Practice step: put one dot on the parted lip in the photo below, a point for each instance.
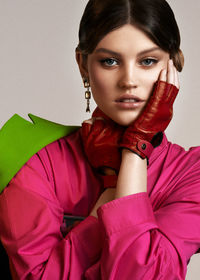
(129, 96)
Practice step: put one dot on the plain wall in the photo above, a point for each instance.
(38, 71)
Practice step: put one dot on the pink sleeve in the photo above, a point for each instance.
(30, 221)
(147, 244)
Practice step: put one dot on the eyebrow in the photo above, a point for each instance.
(104, 50)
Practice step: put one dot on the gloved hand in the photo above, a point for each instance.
(146, 132)
(101, 144)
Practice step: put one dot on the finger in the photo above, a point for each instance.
(92, 120)
(170, 72)
(86, 128)
(163, 75)
(99, 118)
(92, 127)
(85, 131)
(176, 80)
(88, 122)
(98, 126)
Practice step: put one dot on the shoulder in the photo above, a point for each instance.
(50, 170)
(175, 172)
(186, 158)
(58, 157)
(173, 155)
(182, 168)
(21, 139)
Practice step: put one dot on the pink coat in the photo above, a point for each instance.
(142, 236)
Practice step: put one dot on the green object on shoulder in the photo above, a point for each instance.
(21, 139)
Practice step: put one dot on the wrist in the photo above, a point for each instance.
(132, 176)
(137, 143)
(130, 156)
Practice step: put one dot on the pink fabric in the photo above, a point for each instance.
(144, 236)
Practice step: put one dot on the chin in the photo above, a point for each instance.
(122, 117)
(125, 118)
(123, 121)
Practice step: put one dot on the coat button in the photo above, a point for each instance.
(143, 146)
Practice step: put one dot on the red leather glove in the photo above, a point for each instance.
(101, 144)
(146, 132)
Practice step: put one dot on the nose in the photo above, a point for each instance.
(128, 78)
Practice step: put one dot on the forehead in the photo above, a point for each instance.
(125, 38)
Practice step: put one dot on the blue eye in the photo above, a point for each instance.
(109, 62)
(148, 62)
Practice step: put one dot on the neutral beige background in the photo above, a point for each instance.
(38, 73)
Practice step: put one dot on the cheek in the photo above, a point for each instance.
(96, 78)
(149, 79)
(100, 82)
(98, 86)
(152, 76)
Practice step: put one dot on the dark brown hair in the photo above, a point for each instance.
(154, 17)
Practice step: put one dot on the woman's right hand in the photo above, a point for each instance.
(146, 131)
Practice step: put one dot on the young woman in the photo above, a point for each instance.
(139, 194)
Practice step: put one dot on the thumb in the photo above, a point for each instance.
(86, 128)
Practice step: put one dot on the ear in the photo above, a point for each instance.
(82, 64)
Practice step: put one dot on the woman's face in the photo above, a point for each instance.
(122, 71)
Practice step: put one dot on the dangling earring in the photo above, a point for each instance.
(87, 94)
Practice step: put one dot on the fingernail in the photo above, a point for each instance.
(170, 62)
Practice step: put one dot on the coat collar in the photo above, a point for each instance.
(158, 150)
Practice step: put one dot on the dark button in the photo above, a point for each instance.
(143, 146)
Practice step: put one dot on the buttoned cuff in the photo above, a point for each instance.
(126, 212)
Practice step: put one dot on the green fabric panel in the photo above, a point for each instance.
(21, 139)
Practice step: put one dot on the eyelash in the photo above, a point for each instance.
(106, 61)
(152, 60)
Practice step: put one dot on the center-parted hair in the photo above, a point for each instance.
(154, 17)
